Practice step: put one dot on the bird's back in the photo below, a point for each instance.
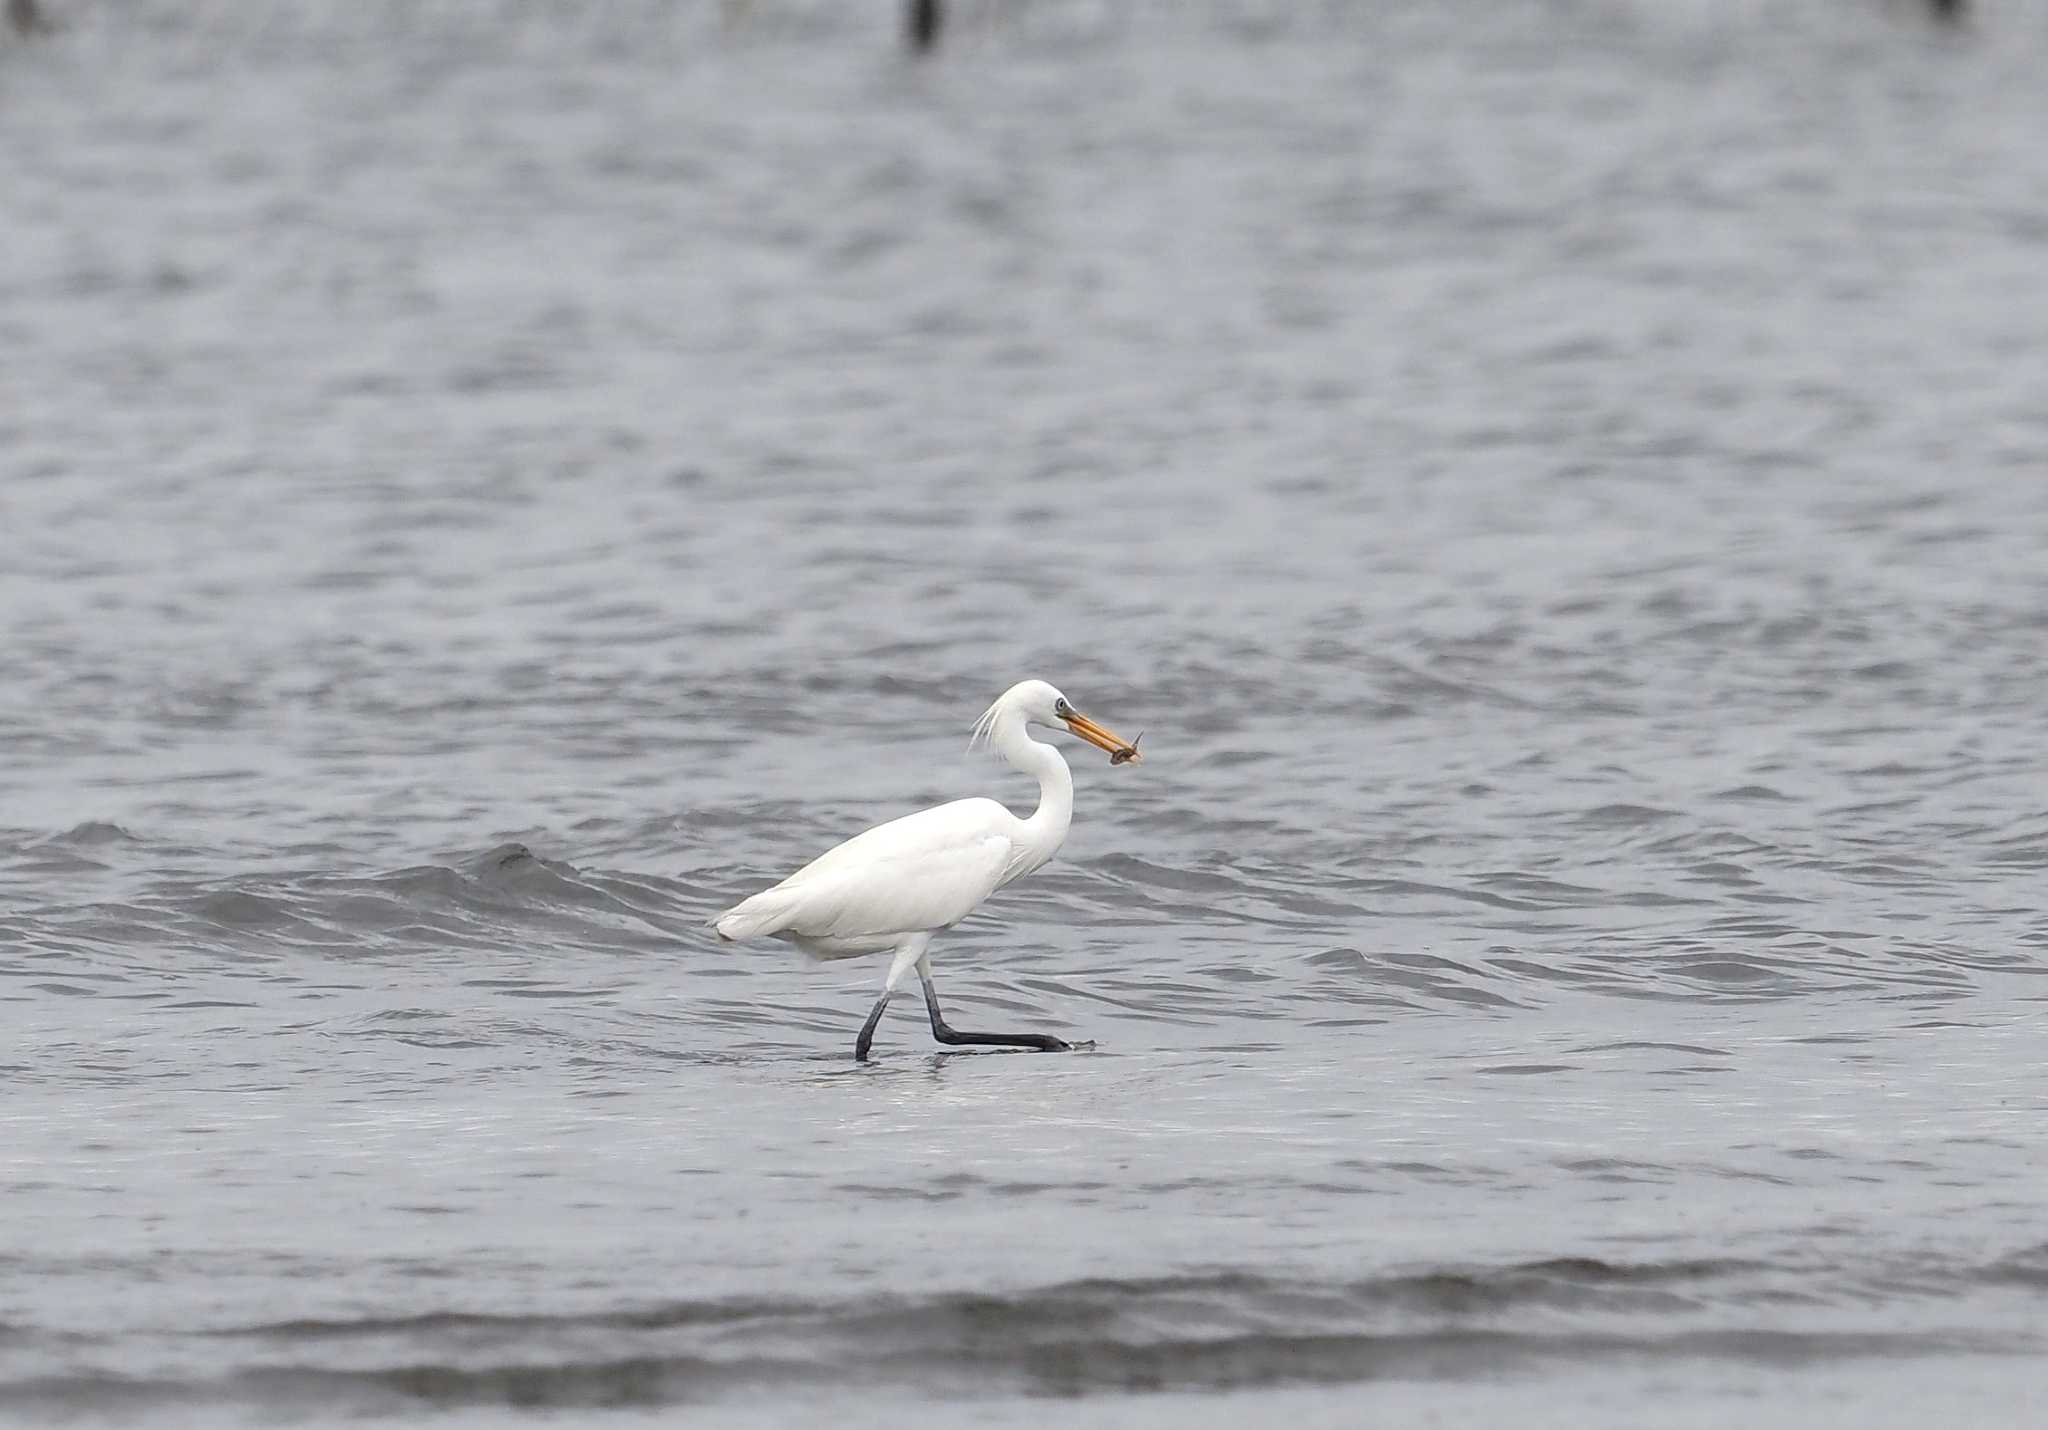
(927, 870)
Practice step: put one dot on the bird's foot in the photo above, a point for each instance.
(1038, 1042)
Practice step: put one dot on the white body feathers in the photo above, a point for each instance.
(921, 873)
(928, 870)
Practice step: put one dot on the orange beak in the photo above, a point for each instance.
(1121, 751)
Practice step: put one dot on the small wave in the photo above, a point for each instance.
(1128, 1307)
(2027, 1268)
(967, 1347)
(1386, 977)
(292, 1391)
(243, 910)
(92, 834)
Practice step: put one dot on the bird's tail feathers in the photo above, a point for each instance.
(766, 912)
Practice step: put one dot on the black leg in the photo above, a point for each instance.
(866, 1039)
(954, 1037)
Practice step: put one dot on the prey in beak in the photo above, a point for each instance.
(1121, 751)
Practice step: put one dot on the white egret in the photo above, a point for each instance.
(897, 885)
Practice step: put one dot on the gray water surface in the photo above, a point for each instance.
(1562, 487)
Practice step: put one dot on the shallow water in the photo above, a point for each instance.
(1561, 489)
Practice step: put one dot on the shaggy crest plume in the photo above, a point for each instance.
(984, 735)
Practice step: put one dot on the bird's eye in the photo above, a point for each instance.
(1060, 707)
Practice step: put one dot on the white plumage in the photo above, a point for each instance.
(895, 886)
(927, 870)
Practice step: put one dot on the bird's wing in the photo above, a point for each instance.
(924, 871)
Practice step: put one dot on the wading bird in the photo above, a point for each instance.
(895, 886)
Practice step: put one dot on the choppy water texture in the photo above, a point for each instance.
(1561, 486)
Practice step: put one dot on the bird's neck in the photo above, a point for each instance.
(1046, 829)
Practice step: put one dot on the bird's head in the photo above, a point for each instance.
(1034, 702)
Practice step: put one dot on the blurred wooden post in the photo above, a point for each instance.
(926, 18)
